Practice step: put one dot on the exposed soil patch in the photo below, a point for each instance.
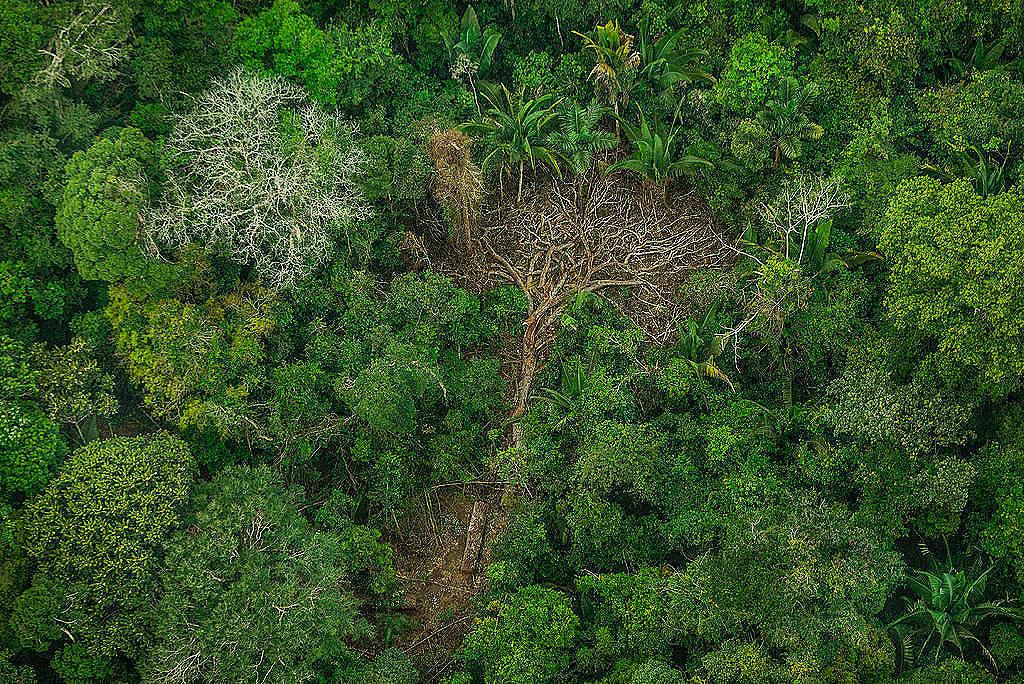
(430, 558)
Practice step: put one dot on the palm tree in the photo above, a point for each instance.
(699, 346)
(514, 130)
(577, 138)
(986, 168)
(786, 121)
(617, 64)
(654, 154)
(948, 608)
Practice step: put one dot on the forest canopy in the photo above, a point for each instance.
(511, 342)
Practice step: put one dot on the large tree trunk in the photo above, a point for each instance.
(527, 376)
(474, 537)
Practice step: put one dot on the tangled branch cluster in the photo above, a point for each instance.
(262, 174)
(91, 45)
(588, 234)
(803, 203)
(599, 232)
(793, 219)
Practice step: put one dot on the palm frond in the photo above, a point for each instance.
(708, 369)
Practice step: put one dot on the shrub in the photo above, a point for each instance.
(754, 66)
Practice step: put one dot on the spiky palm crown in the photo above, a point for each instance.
(578, 137)
(616, 59)
(785, 118)
(513, 129)
(947, 606)
(654, 152)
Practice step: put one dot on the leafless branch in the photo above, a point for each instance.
(91, 45)
(272, 194)
(804, 202)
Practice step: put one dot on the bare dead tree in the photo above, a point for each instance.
(567, 237)
(804, 202)
(273, 194)
(90, 46)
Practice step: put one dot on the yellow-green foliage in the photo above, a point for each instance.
(990, 104)
(754, 64)
(739, 660)
(338, 66)
(185, 356)
(96, 532)
(527, 637)
(72, 386)
(957, 280)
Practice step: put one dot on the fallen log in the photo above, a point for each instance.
(474, 537)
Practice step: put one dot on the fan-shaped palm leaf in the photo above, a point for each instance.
(578, 137)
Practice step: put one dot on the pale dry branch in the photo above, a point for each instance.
(803, 203)
(263, 174)
(90, 46)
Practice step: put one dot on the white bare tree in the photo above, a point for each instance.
(263, 174)
(803, 203)
(793, 218)
(91, 45)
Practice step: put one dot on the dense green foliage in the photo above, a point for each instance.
(247, 570)
(286, 286)
(100, 214)
(945, 246)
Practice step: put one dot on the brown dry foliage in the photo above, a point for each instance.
(457, 183)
